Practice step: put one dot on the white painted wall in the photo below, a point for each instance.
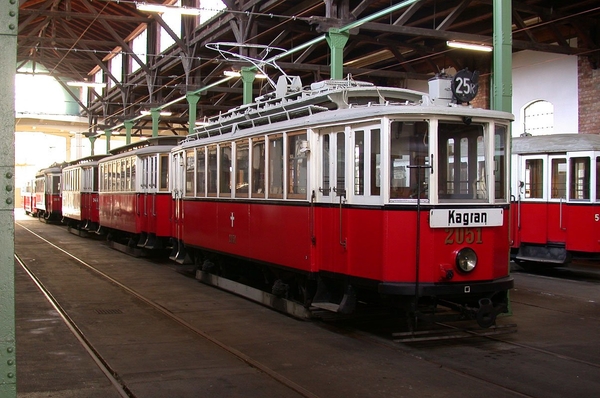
(549, 77)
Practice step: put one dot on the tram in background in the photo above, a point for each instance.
(134, 193)
(80, 206)
(28, 198)
(48, 197)
(556, 199)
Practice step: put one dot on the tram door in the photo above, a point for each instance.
(177, 191)
(331, 199)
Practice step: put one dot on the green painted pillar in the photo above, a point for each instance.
(92, 142)
(192, 100)
(501, 96)
(108, 134)
(9, 22)
(337, 41)
(128, 126)
(155, 112)
(248, 77)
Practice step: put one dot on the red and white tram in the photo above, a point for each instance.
(346, 192)
(135, 200)
(80, 207)
(556, 199)
(48, 198)
(28, 198)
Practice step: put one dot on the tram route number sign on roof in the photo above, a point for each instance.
(457, 218)
(465, 85)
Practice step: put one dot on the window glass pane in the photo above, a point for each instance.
(500, 162)
(597, 178)
(462, 163)
(409, 147)
(164, 173)
(225, 170)
(190, 162)
(276, 165)
(200, 171)
(534, 178)
(297, 165)
(341, 164)
(375, 162)
(212, 170)
(242, 154)
(258, 167)
(325, 165)
(359, 163)
(580, 179)
(558, 179)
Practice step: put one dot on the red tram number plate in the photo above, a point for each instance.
(463, 235)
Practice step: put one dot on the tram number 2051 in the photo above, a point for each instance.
(463, 235)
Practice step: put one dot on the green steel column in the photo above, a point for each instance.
(248, 76)
(501, 96)
(337, 41)
(108, 135)
(192, 100)
(128, 126)
(9, 23)
(92, 142)
(155, 112)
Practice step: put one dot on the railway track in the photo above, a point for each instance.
(114, 377)
(439, 354)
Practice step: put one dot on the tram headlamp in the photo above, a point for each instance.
(466, 259)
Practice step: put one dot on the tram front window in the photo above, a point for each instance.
(409, 160)
(461, 163)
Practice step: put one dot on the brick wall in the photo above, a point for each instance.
(589, 97)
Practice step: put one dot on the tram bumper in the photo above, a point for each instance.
(482, 301)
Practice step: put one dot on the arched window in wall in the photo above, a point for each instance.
(538, 118)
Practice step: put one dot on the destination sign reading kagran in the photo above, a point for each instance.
(448, 218)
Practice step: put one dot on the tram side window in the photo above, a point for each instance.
(375, 162)
(212, 171)
(534, 178)
(558, 187)
(258, 167)
(409, 146)
(163, 178)
(500, 162)
(133, 174)
(200, 171)
(276, 166)
(341, 165)
(189, 172)
(297, 167)
(325, 164)
(242, 154)
(580, 178)
(598, 178)
(225, 170)
(359, 162)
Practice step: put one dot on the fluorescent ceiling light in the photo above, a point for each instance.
(162, 113)
(167, 9)
(232, 73)
(86, 84)
(469, 46)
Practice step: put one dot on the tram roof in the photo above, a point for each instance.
(555, 143)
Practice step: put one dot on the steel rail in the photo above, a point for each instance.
(238, 354)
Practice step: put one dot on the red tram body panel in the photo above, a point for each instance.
(358, 191)
(556, 200)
